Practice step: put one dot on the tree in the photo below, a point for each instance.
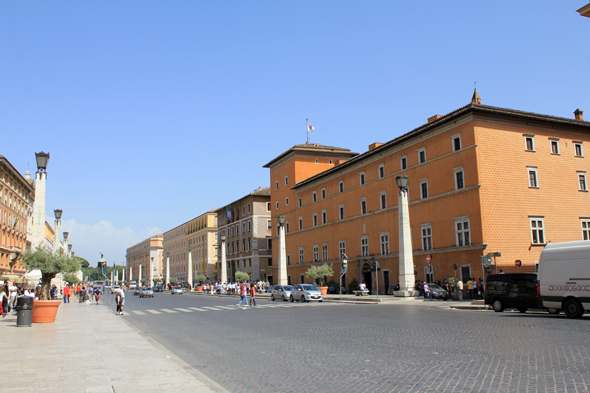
(242, 276)
(143, 280)
(320, 272)
(173, 280)
(201, 278)
(71, 278)
(50, 265)
(157, 280)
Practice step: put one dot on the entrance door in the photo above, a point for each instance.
(428, 275)
(269, 278)
(368, 280)
(386, 282)
(465, 272)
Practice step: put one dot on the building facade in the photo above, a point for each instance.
(17, 194)
(246, 225)
(176, 252)
(201, 238)
(482, 180)
(144, 256)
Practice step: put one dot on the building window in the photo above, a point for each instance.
(330, 162)
(585, 228)
(381, 171)
(384, 238)
(383, 199)
(342, 248)
(363, 206)
(364, 246)
(249, 209)
(554, 146)
(287, 229)
(314, 196)
(340, 186)
(324, 217)
(249, 226)
(462, 231)
(300, 202)
(532, 173)
(422, 155)
(267, 206)
(537, 230)
(404, 162)
(301, 255)
(456, 142)
(578, 147)
(243, 227)
(315, 219)
(276, 185)
(287, 201)
(300, 223)
(288, 259)
(459, 182)
(277, 205)
(317, 161)
(529, 143)
(341, 212)
(582, 181)
(286, 180)
(362, 178)
(269, 247)
(426, 230)
(324, 251)
(243, 210)
(323, 193)
(316, 253)
(268, 225)
(423, 189)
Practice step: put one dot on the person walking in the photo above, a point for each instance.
(97, 294)
(459, 290)
(12, 292)
(66, 293)
(470, 288)
(120, 299)
(243, 292)
(253, 296)
(426, 291)
(4, 300)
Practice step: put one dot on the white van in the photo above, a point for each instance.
(564, 277)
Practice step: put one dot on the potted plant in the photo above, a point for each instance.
(201, 278)
(50, 264)
(242, 276)
(320, 273)
(173, 281)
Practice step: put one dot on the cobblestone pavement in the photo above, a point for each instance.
(406, 347)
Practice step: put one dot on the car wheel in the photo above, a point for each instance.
(283, 298)
(320, 301)
(302, 298)
(573, 308)
(553, 310)
(497, 305)
(522, 309)
(291, 299)
(272, 298)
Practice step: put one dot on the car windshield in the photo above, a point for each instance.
(309, 288)
(147, 289)
(434, 286)
(287, 287)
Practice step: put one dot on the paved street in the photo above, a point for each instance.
(328, 347)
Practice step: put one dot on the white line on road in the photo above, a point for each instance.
(168, 311)
(228, 308)
(138, 312)
(212, 308)
(197, 309)
(153, 311)
(183, 309)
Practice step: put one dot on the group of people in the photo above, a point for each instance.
(233, 288)
(9, 291)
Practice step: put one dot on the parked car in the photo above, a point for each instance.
(282, 292)
(137, 291)
(177, 290)
(305, 293)
(563, 277)
(146, 292)
(115, 288)
(514, 290)
(438, 292)
(158, 288)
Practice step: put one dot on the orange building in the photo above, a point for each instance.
(145, 254)
(482, 180)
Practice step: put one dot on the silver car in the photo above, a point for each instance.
(177, 290)
(305, 293)
(282, 292)
(146, 292)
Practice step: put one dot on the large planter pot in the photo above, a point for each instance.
(44, 311)
(200, 288)
(323, 290)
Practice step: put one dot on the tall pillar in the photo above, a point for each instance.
(407, 280)
(139, 281)
(116, 275)
(152, 272)
(130, 273)
(190, 267)
(282, 263)
(123, 273)
(57, 240)
(223, 273)
(39, 209)
(167, 269)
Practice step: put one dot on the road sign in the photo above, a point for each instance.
(487, 261)
(428, 258)
(518, 263)
(454, 266)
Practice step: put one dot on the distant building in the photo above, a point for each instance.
(143, 256)
(585, 11)
(201, 238)
(246, 223)
(176, 248)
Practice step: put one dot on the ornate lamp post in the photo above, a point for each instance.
(282, 256)
(407, 279)
(67, 247)
(38, 235)
(223, 260)
(189, 277)
(57, 239)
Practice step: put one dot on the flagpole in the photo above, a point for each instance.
(307, 128)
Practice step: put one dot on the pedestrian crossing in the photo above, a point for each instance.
(220, 308)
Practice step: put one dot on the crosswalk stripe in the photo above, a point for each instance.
(168, 311)
(153, 311)
(183, 309)
(197, 309)
(228, 308)
(139, 312)
(212, 308)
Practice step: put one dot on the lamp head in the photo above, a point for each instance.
(281, 219)
(223, 237)
(402, 182)
(66, 234)
(42, 159)
(58, 213)
(69, 247)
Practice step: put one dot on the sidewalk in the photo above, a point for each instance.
(89, 349)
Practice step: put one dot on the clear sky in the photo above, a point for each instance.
(157, 111)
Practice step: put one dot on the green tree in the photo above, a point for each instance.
(143, 280)
(173, 280)
(201, 278)
(71, 278)
(320, 272)
(242, 276)
(50, 265)
(353, 286)
(157, 280)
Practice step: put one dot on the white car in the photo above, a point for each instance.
(177, 290)
(305, 293)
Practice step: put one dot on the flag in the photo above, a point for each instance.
(228, 214)
(15, 221)
(310, 127)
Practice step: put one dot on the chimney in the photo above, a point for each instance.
(579, 114)
(433, 118)
(374, 145)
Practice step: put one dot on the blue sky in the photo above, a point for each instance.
(157, 111)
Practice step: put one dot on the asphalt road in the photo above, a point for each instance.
(328, 347)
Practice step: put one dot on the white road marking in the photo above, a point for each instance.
(153, 311)
(197, 309)
(168, 311)
(183, 309)
(138, 312)
(212, 308)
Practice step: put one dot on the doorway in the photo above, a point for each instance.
(428, 274)
(367, 277)
(386, 282)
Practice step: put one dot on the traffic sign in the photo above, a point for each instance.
(455, 266)
(428, 258)
(487, 261)
(518, 263)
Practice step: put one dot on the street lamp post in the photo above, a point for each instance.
(189, 278)
(167, 270)
(223, 261)
(152, 273)
(38, 236)
(282, 256)
(57, 240)
(407, 279)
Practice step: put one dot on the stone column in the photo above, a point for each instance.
(167, 269)
(223, 273)
(190, 267)
(282, 257)
(407, 280)
(39, 209)
(152, 272)
(130, 273)
(57, 240)
(139, 281)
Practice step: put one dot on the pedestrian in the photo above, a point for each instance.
(4, 300)
(482, 288)
(253, 296)
(120, 299)
(12, 292)
(243, 296)
(476, 290)
(459, 290)
(426, 291)
(66, 293)
(470, 288)
(97, 294)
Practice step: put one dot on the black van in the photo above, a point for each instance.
(515, 290)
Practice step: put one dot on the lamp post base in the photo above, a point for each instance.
(411, 293)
